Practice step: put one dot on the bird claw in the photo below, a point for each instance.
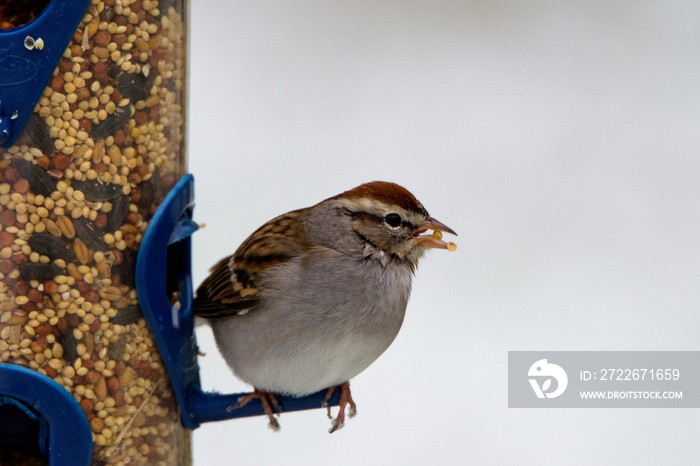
(268, 401)
(242, 401)
(335, 425)
(344, 400)
(273, 425)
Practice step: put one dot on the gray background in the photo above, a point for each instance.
(560, 139)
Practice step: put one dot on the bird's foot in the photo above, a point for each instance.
(268, 401)
(345, 400)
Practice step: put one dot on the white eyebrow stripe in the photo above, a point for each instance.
(370, 205)
(380, 209)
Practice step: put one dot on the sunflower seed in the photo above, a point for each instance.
(51, 246)
(97, 192)
(70, 345)
(89, 234)
(126, 269)
(133, 86)
(116, 350)
(111, 124)
(39, 134)
(149, 190)
(120, 207)
(127, 315)
(39, 271)
(39, 181)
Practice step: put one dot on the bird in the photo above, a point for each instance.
(314, 296)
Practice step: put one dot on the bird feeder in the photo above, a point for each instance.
(92, 126)
(98, 359)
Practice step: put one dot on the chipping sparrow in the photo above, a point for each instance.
(316, 295)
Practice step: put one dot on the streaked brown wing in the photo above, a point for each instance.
(233, 286)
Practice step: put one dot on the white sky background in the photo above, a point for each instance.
(561, 140)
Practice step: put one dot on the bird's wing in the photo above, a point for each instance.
(233, 286)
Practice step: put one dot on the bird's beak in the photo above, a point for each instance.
(435, 240)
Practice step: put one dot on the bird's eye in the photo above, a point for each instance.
(393, 220)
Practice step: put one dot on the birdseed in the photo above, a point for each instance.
(77, 190)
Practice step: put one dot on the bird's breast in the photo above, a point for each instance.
(322, 321)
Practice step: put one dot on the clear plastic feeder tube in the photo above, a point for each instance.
(104, 145)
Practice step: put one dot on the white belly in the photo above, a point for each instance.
(299, 342)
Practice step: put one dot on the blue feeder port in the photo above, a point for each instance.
(28, 56)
